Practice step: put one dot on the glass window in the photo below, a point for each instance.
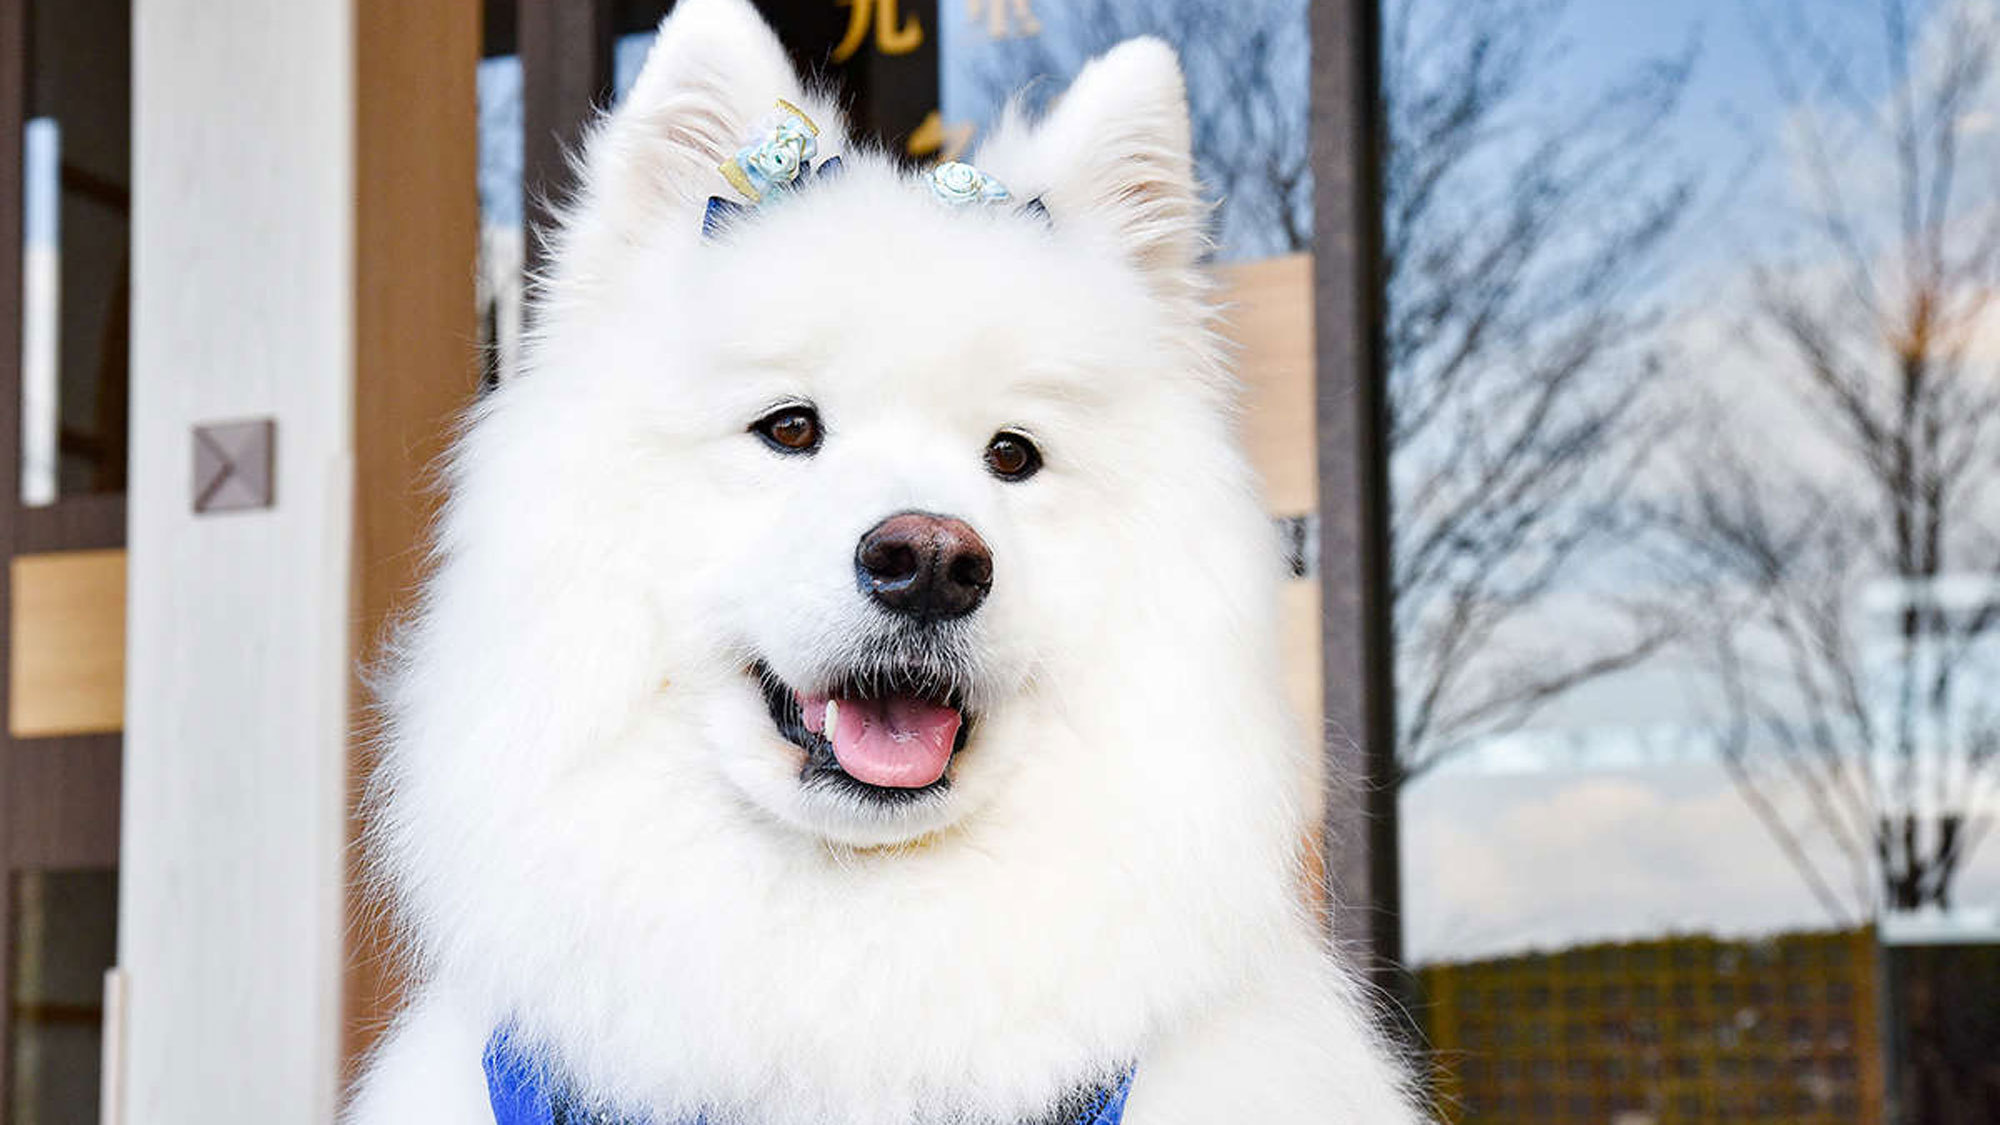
(1693, 349)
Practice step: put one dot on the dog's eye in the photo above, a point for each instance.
(790, 429)
(1012, 457)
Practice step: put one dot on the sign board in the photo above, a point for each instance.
(881, 54)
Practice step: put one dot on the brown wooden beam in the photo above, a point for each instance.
(416, 224)
(13, 114)
(88, 522)
(63, 807)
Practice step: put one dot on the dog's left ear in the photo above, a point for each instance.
(1117, 148)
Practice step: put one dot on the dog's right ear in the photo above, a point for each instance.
(714, 72)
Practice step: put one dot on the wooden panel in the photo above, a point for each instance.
(1299, 640)
(416, 237)
(1298, 601)
(62, 802)
(1270, 318)
(92, 521)
(67, 666)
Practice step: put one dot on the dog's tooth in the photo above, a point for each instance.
(832, 717)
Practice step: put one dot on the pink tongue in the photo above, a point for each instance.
(895, 743)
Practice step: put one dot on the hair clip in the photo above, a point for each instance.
(778, 159)
(778, 162)
(959, 184)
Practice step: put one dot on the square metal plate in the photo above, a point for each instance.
(233, 465)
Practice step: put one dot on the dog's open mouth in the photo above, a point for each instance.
(888, 734)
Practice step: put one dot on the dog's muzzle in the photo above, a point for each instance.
(884, 734)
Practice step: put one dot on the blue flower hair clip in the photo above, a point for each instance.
(959, 184)
(774, 162)
(780, 161)
(777, 162)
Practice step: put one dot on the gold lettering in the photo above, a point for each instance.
(932, 137)
(893, 35)
(998, 23)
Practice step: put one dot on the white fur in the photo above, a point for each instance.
(593, 830)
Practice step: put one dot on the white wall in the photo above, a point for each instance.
(236, 704)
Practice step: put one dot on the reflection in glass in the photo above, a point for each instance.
(1693, 339)
(502, 234)
(41, 305)
(76, 168)
(65, 935)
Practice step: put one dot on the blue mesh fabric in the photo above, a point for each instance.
(522, 1092)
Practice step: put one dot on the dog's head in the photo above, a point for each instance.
(854, 519)
(845, 477)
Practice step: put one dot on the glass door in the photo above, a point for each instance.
(65, 215)
(1691, 323)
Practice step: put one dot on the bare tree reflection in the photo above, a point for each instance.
(1851, 566)
(1520, 238)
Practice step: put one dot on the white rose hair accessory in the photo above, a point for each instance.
(779, 160)
(959, 184)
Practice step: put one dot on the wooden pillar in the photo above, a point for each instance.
(303, 257)
(13, 110)
(238, 625)
(416, 236)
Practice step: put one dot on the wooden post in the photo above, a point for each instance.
(1360, 834)
(566, 59)
(416, 238)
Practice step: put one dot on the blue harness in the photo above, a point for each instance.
(522, 1093)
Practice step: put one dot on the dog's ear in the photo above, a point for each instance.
(1117, 147)
(714, 72)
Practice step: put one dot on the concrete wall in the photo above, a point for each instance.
(237, 694)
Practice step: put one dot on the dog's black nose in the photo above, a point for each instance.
(932, 568)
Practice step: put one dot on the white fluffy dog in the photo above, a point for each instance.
(848, 690)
